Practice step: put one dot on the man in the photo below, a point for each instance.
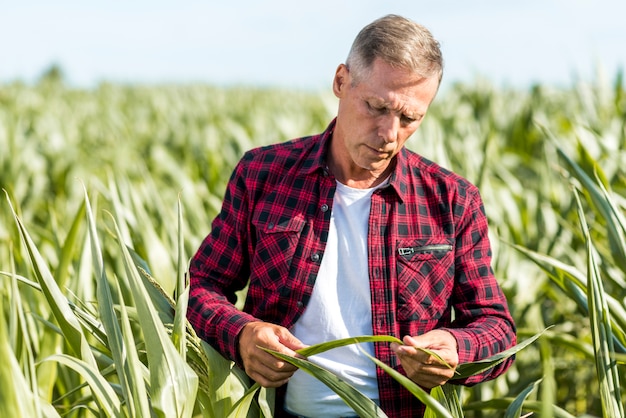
(348, 233)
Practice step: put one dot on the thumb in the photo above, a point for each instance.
(418, 341)
(435, 339)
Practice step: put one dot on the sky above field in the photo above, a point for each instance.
(293, 43)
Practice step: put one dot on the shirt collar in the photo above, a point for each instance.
(317, 157)
(399, 179)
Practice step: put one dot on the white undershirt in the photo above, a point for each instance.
(340, 307)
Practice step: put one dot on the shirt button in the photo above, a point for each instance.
(324, 207)
(315, 257)
(270, 226)
(300, 304)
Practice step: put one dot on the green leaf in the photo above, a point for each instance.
(16, 396)
(134, 370)
(103, 393)
(173, 384)
(58, 303)
(179, 333)
(430, 402)
(267, 400)
(600, 319)
(124, 355)
(448, 396)
(322, 347)
(242, 407)
(514, 410)
(226, 382)
(597, 191)
(329, 345)
(466, 370)
(22, 342)
(361, 404)
(62, 271)
(572, 282)
(503, 403)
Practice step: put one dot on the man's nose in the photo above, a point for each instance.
(389, 127)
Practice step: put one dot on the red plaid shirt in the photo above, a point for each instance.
(429, 257)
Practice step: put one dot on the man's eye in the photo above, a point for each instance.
(374, 108)
(408, 120)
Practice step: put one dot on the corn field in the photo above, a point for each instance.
(107, 193)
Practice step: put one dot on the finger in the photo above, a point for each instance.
(275, 363)
(431, 381)
(435, 339)
(409, 351)
(437, 346)
(271, 374)
(267, 370)
(423, 341)
(287, 339)
(425, 375)
(268, 379)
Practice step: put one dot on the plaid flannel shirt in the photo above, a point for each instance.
(429, 257)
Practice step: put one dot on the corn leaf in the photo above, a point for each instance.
(21, 341)
(466, 370)
(62, 271)
(179, 333)
(173, 384)
(226, 382)
(615, 228)
(329, 345)
(130, 380)
(600, 318)
(504, 403)
(448, 396)
(16, 396)
(361, 404)
(431, 403)
(572, 282)
(267, 401)
(242, 407)
(514, 410)
(138, 400)
(325, 346)
(103, 393)
(58, 303)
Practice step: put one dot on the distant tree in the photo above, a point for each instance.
(53, 75)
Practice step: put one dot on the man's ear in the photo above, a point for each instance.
(341, 80)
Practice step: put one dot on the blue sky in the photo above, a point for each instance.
(291, 43)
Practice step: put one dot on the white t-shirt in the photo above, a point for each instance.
(340, 307)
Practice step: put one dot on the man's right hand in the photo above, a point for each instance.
(260, 365)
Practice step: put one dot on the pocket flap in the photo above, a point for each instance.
(290, 224)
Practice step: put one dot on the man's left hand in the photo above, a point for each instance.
(422, 368)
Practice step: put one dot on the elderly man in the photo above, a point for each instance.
(348, 233)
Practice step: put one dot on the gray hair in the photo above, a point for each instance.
(400, 43)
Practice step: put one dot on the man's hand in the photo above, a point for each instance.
(422, 368)
(260, 365)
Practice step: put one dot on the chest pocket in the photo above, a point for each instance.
(277, 239)
(425, 269)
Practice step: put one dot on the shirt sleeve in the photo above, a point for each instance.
(219, 269)
(483, 325)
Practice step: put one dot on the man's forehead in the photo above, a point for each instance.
(406, 104)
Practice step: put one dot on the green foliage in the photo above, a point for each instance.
(92, 289)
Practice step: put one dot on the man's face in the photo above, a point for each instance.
(377, 115)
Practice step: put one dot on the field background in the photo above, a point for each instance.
(154, 161)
